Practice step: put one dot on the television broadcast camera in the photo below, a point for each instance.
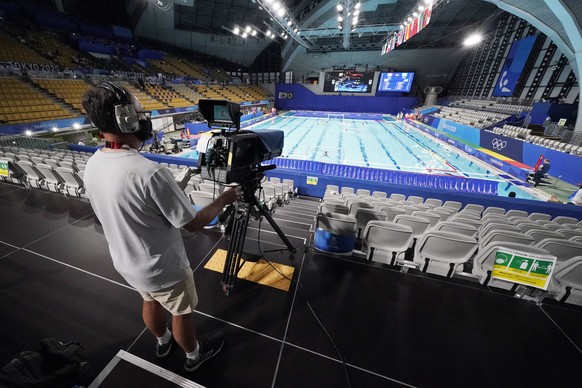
(229, 155)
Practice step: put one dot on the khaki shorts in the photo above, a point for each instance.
(179, 299)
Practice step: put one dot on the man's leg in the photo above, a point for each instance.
(154, 317)
(184, 331)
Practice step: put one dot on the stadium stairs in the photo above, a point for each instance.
(53, 97)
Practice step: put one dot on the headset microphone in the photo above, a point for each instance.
(126, 117)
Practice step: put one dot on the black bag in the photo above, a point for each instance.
(57, 364)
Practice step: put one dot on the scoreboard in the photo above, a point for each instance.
(395, 82)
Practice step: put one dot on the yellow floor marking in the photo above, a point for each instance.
(259, 272)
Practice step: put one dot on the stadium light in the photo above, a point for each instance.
(472, 40)
(340, 7)
(414, 14)
(55, 129)
(236, 31)
(357, 6)
(253, 32)
(420, 8)
(248, 29)
(245, 34)
(279, 14)
(340, 18)
(28, 132)
(76, 126)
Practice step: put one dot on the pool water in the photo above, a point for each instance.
(385, 144)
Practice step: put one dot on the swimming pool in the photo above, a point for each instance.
(385, 144)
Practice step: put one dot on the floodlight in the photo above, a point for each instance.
(472, 40)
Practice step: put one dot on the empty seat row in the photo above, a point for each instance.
(441, 251)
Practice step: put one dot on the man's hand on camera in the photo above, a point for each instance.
(231, 195)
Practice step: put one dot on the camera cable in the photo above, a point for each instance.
(321, 325)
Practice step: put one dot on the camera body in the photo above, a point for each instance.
(229, 156)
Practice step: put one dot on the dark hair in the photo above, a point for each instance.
(99, 104)
(512, 194)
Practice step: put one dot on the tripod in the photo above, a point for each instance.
(238, 224)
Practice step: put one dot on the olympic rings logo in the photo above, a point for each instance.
(498, 144)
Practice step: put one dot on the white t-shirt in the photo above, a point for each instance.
(141, 208)
(577, 198)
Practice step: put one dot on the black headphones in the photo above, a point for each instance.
(126, 118)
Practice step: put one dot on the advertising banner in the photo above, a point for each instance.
(523, 268)
(506, 146)
(4, 171)
(312, 180)
(513, 67)
(469, 134)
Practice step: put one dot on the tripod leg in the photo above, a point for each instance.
(272, 222)
(232, 264)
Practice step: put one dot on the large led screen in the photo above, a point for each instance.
(348, 81)
(395, 82)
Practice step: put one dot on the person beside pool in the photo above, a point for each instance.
(576, 197)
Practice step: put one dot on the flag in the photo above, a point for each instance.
(414, 27)
(400, 38)
(426, 15)
(389, 45)
(407, 32)
(392, 42)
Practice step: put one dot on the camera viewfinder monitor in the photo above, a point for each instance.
(395, 82)
(220, 113)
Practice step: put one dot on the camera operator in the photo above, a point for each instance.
(142, 209)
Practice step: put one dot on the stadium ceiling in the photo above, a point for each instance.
(317, 23)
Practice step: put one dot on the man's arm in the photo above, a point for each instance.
(207, 214)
